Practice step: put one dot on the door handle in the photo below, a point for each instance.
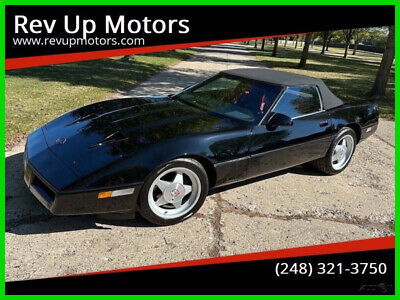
(323, 123)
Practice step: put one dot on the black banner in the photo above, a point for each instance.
(370, 272)
(45, 30)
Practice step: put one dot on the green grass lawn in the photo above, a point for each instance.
(335, 50)
(349, 79)
(359, 53)
(35, 96)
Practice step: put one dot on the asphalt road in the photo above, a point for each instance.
(291, 208)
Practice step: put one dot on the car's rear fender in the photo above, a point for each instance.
(362, 118)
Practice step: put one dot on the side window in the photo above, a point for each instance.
(299, 100)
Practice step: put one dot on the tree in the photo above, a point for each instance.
(297, 39)
(255, 44)
(286, 38)
(348, 35)
(359, 35)
(377, 37)
(304, 55)
(325, 38)
(263, 44)
(356, 40)
(328, 42)
(276, 40)
(330, 35)
(379, 88)
(324, 35)
(313, 40)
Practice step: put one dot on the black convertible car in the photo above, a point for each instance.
(160, 155)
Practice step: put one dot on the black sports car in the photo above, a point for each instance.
(160, 155)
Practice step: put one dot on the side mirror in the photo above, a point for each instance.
(278, 119)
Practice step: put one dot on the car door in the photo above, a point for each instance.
(308, 138)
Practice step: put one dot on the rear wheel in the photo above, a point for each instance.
(173, 192)
(339, 154)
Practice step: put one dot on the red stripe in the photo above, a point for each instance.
(343, 247)
(35, 61)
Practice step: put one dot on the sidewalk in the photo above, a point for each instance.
(207, 61)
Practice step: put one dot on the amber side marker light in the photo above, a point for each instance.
(109, 194)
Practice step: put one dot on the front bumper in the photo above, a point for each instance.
(75, 202)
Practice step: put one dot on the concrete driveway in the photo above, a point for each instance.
(291, 208)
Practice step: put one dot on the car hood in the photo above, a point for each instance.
(94, 136)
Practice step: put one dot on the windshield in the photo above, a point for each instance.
(234, 97)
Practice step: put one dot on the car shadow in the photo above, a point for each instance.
(24, 215)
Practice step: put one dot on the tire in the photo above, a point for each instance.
(326, 164)
(173, 192)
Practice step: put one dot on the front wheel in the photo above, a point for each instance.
(173, 192)
(339, 154)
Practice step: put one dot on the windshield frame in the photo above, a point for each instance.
(207, 80)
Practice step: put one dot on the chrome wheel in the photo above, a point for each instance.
(174, 193)
(342, 152)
